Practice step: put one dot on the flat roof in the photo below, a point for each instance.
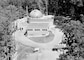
(40, 20)
(37, 25)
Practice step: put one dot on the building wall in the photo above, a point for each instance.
(35, 31)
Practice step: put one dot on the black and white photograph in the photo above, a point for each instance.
(41, 29)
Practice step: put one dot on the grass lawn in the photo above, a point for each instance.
(45, 39)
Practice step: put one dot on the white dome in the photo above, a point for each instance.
(36, 14)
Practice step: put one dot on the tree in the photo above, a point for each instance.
(74, 32)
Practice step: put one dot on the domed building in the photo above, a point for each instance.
(36, 14)
(39, 24)
(36, 24)
(38, 31)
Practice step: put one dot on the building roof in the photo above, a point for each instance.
(40, 20)
(37, 25)
(36, 14)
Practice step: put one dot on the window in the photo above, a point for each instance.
(44, 29)
(29, 29)
(37, 29)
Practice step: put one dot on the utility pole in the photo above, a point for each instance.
(46, 2)
(27, 13)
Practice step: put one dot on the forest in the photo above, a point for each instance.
(73, 28)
